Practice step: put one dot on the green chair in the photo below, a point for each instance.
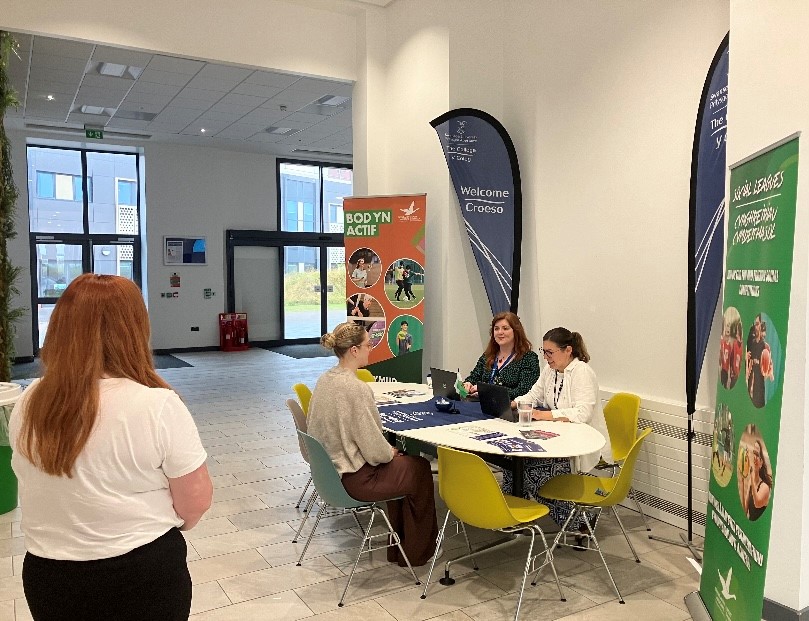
(365, 375)
(589, 492)
(304, 396)
(300, 424)
(621, 415)
(332, 494)
(473, 495)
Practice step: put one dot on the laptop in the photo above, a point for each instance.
(495, 402)
(444, 383)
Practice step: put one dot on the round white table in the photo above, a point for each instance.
(573, 439)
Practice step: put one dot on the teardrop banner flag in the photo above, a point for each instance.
(483, 166)
(706, 218)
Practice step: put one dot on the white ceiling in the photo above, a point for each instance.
(171, 99)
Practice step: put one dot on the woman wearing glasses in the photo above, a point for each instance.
(508, 359)
(567, 391)
(344, 419)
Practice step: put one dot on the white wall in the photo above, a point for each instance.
(200, 191)
(769, 100)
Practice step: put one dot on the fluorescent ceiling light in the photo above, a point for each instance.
(280, 130)
(331, 100)
(92, 109)
(112, 69)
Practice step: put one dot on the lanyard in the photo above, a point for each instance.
(495, 369)
(557, 390)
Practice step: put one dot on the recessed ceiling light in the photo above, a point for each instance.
(92, 109)
(50, 98)
(332, 100)
(112, 69)
(202, 130)
(279, 130)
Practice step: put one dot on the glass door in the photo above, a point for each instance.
(56, 265)
(296, 289)
(302, 293)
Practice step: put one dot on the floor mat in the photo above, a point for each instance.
(27, 370)
(302, 351)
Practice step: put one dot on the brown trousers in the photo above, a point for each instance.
(413, 517)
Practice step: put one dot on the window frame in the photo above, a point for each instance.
(319, 213)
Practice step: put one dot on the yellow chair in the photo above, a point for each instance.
(365, 375)
(588, 492)
(304, 396)
(473, 495)
(621, 415)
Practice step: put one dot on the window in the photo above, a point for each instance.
(311, 196)
(127, 193)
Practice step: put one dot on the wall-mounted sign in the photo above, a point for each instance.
(184, 251)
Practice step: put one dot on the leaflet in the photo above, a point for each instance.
(407, 392)
(538, 434)
(476, 432)
(516, 445)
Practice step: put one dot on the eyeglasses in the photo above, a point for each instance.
(548, 352)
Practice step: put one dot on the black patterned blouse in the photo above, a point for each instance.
(518, 375)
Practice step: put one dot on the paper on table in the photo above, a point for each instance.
(405, 393)
(516, 445)
(475, 432)
(538, 434)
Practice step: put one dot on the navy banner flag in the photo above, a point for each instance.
(706, 230)
(483, 166)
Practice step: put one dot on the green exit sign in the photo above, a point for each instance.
(97, 134)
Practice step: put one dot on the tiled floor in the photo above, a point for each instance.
(242, 560)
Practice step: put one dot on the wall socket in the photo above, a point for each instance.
(194, 328)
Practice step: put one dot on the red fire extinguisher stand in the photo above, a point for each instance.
(233, 332)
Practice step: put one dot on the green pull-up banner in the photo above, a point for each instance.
(758, 273)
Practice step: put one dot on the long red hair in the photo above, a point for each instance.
(99, 328)
(521, 343)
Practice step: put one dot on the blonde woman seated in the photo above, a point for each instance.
(344, 418)
(567, 392)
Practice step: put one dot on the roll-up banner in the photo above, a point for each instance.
(386, 271)
(484, 170)
(761, 228)
(706, 217)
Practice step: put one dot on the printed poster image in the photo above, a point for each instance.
(722, 445)
(757, 285)
(404, 283)
(730, 348)
(364, 268)
(405, 334)
(763, 358)
(755, 473)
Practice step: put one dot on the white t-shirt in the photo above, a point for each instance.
(118, 498)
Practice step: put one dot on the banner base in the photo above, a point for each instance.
(696, 607)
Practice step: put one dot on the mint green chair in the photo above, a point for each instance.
(331, 493)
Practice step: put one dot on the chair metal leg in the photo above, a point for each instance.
(640, 509)
(305, 517)
(303, 493)
(603, 560)
(525, 572)
(623, 530)
(359, 554)
(320, 513)
(398, 544)
(469, 547)
(437, 545)
(548, 561)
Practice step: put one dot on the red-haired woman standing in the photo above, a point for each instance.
(110, 466)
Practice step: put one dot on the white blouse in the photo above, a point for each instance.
(573, 394)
